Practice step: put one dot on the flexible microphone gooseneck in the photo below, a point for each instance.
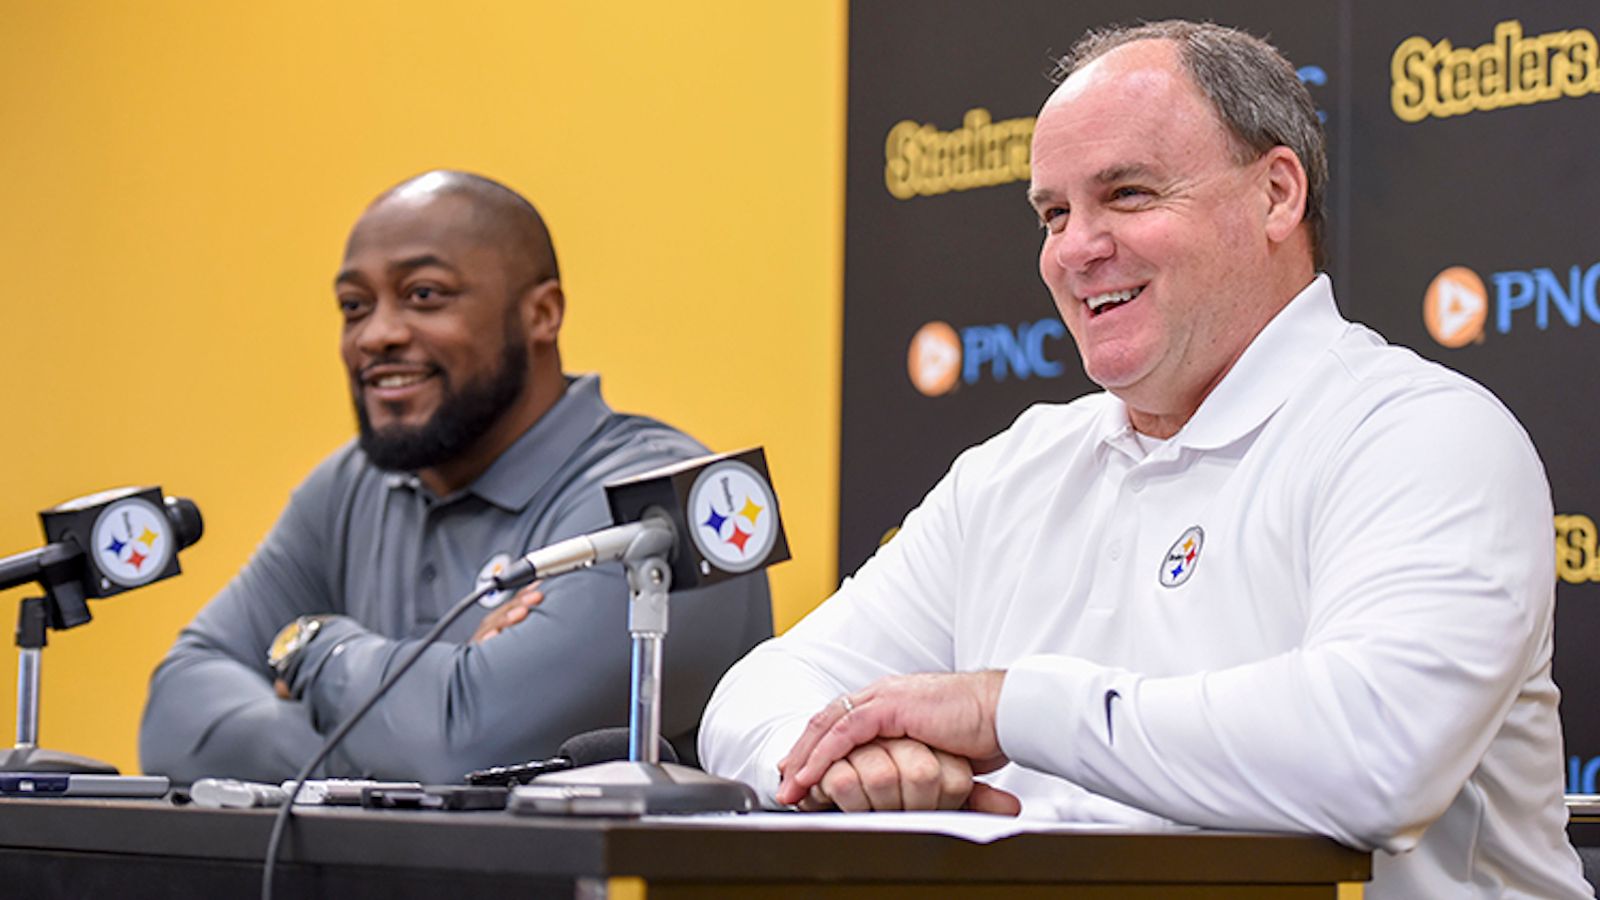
(684, 525)
(281, 822)
(585, 550)
(605, 545)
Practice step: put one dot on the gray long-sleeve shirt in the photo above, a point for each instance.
(390, 558)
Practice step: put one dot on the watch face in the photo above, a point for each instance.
(133, 542)
(735, 518)
(284, 643)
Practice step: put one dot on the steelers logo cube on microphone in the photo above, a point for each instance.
(723, 511)
(126, 535)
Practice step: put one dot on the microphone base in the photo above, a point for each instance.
(38, 759)
(632, 789)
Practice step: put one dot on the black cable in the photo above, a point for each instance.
(281, 822)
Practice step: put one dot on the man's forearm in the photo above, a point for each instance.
(214, 717)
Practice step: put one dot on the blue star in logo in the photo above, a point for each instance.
(714, 522)
(115, 549)
(1177, 570)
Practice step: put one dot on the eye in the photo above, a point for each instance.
(353, 307)
(427, 296)
(1126, 195)
(1053, 219)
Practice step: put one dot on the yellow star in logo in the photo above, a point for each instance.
(148, 538)
(751, 510)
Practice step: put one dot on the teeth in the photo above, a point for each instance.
(395, 381)
(1099, 300)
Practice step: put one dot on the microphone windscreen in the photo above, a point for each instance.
(185, 517)
(606, 745)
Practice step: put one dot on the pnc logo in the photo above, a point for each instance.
(1456, 307)
(934, 360)
(1581, 774)
(941, 358)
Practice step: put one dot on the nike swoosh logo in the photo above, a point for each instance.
(1111, 696)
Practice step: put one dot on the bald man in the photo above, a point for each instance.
(474, 448)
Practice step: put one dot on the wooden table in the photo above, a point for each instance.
(152, 849)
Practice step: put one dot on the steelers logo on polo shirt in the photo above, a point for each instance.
(497, 564)
(1182, 557)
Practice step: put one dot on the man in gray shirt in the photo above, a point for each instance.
(474, 448)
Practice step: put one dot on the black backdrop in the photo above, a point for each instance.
(1483, 209)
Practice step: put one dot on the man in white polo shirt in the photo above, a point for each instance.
(1279, 576)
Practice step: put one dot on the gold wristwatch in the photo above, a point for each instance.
(290, 641)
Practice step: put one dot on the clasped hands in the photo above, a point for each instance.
(910, 742)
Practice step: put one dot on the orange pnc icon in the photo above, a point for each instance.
(1456, 307)
(934, 360)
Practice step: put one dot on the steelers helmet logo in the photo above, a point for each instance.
(497, 564)
(133, 542)
(1182, 557)
(1456, 307)
(934, 360)
(733, 516)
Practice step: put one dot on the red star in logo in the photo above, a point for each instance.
(137, 559)
(739, 538)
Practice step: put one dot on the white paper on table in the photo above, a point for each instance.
(979, 828)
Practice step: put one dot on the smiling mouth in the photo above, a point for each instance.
(397, 380)
(1099, 303)
(389, 385)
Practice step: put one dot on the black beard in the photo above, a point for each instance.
(462, 418)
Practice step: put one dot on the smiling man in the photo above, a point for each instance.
(474, 448)
(1279, 576)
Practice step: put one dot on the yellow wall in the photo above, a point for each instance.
(176, 180)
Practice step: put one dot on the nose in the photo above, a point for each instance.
(1084, 241)
(382, 329)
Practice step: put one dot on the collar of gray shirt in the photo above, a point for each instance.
(513, 480)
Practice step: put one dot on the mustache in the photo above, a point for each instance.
(366, 370)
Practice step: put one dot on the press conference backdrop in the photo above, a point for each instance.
(179, 177)
(1463, 204)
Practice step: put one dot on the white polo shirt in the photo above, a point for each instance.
(1323, 606)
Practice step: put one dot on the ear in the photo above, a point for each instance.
(1285, 182)
(543, 307)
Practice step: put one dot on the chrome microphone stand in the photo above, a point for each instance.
(647, 784)
(33, 622)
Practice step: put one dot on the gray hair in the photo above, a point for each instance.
(1255, 91)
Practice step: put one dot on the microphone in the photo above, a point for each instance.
(715, 516)
(585, 550)
(103, 544)
(604, 745)
(586, 749)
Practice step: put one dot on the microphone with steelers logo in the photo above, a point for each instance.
(103, 544)
(693, 523)
(98, 546)
(714, 517)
